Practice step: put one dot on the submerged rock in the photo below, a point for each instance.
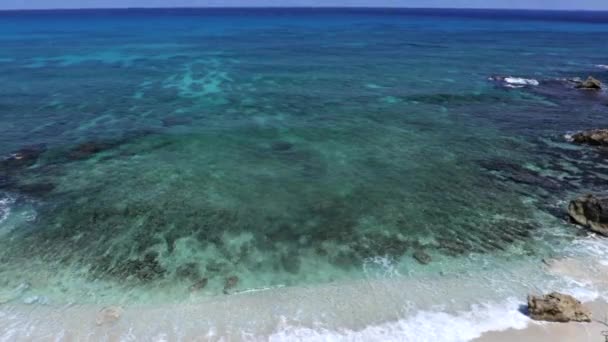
(199, 285)
(146, 269)
(281, 146)
(557, 307)
(24, 157)
(230, 283)
(519, 174)
(422, 257)
(88, 149)
(592, 137)
(589, 83)
(171, 121)
(34, 189)
(109, 315)
(591, 212)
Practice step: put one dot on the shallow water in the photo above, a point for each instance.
(174, 156)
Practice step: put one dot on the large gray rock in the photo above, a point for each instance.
(557, 307)
(590, 83)
(592, 137)
(592, 212)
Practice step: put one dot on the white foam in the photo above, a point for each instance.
(517, 82)
(602, 66)
(424, 326)
(5, 207)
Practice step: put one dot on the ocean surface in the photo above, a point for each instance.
(300, 174)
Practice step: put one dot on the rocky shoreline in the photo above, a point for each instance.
(589, 211)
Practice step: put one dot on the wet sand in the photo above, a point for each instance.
(557, 332)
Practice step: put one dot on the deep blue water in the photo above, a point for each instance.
(176, 148)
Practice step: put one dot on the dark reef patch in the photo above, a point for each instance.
(22, 158)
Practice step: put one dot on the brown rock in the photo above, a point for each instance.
(557, 307)
(591, 212)
(109, 315)
(592, 137)
(590, 83)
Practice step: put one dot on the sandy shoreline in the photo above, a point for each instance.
(593, 272)
(83, 324)
(400, 309)
(557, 332)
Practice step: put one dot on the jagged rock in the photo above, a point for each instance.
(592, 212)
(108, 315)
(590, 83)
(422, 257)
(592, 137)
(557, 307)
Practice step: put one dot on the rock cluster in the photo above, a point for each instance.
(557, 307)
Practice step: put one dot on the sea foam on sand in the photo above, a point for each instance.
(424, 326)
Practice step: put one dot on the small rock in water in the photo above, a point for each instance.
(199, 285)
(590, 83)
(557, 307)
(591, 212)
(422, 257)
(281, 146)
(88, 149)
(109, 315)
(592, 137)
(23, 158)
(230, 283)
(171, 121)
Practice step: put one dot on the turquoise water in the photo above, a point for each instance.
(153, 154)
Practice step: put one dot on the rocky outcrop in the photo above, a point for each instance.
(557, 307)
(592, 137)
(592, 212)
(590, 83)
